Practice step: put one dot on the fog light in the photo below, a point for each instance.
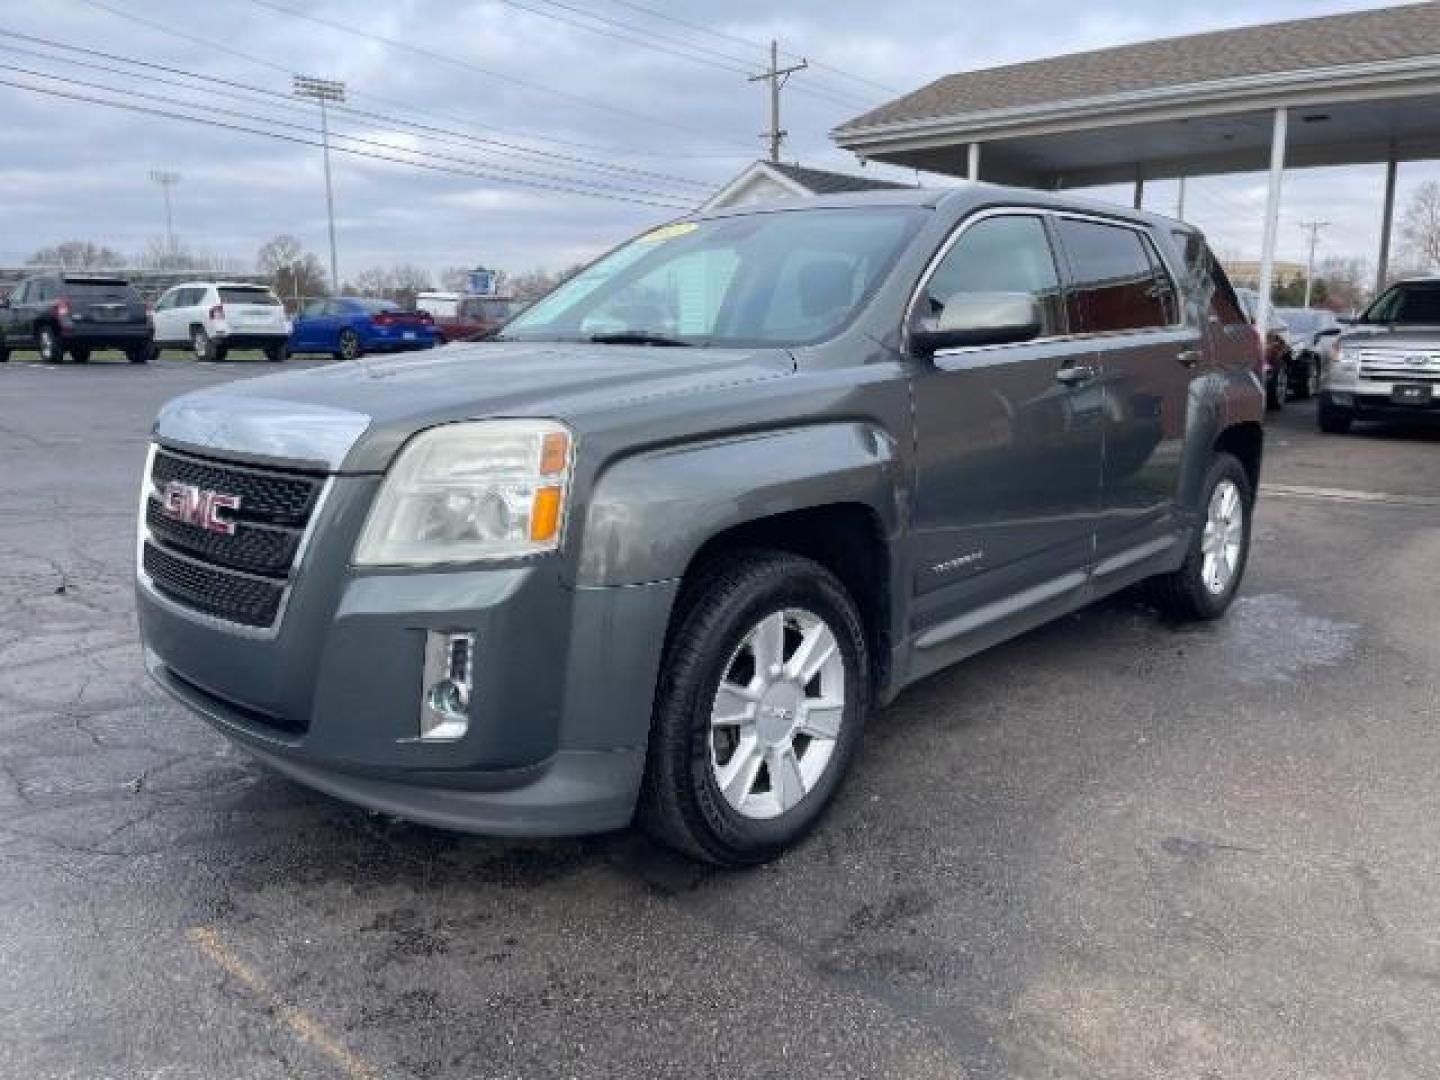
(448, 679)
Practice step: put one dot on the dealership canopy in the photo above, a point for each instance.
(1338, 90)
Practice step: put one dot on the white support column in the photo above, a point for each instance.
(1180, 201)
(1272, 219)
(1387, 219)
(1139, 187)
(972, 164)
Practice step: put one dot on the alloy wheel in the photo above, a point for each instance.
(777, 713)
(1222, 538)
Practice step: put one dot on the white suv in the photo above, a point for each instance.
(211, 317)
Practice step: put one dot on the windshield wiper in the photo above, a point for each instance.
(637, 337)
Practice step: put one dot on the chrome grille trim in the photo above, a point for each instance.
(144, 536)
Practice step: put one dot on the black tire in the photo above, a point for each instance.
(202, 346)
(1278, 391)
(1306, 379)
(1332, 420)
(47, 344)
(80, 354)
(681, 804)
(1184, 593)
(141, 354)
(4, 350)
(277, 354)
(348, 346)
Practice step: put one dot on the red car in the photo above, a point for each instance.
(1279, 358)
(459, 317)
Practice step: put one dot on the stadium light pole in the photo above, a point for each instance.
(167, 179)
(324, 91)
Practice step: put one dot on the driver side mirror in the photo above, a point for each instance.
(999, 318)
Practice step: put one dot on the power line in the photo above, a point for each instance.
(510, 170)
(649, 39)
(485, 174)
(504, 147)
(455, 61)
(750, 43)
(220, 47)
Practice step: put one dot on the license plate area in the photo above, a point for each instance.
(1412, 394)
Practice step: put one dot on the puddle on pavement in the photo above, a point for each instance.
(1272, 639)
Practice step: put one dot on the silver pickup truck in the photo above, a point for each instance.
(656, 551)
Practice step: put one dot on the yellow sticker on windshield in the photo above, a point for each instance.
(669, 232)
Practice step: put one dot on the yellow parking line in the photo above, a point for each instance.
(302, 1024)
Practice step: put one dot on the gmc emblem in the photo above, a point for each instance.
(198, 507)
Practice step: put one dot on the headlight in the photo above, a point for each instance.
(485, 489)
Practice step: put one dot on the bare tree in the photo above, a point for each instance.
(1347, 282)
(1420, 225)
(293, 272)
(78, 255)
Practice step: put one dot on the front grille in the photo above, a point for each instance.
(1399, 365)
(242, 576)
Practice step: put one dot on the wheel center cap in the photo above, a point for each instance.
(778, 712)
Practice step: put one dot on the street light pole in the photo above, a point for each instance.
(167, 179)
(324, 91)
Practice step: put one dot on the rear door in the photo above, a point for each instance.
(1125, 297)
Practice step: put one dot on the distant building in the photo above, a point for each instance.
(766, 181)
(1246, 272)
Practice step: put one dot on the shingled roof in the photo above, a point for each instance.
(824, 182)
(1388, 34)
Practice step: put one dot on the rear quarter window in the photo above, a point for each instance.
(261, 297)
(1206, 280)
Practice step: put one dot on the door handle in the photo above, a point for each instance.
(1188, 357)
(1075, 374)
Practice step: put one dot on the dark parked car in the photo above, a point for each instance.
(1388, 361)
(465, 318)
(348, 327)
(1312, 346)
(1279, 358)
(600, 569)
(68, 316)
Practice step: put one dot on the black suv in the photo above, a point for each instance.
(69, 315)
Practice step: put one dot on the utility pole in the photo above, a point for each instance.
(1314, 228)
(777, 77)
(323, 91)
(167, 179)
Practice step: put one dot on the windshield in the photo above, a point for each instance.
(1415, 303)
(780, 278)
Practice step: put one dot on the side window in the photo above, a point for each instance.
(313, 309)
(166, 302)
(19, 293)
(1000, 254)
(1207, 281)
(1114, 286)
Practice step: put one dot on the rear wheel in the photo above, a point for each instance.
(80, 354)
(4, 350)
(1332, 420)
(203, 345)
(348, 346)
(276, 354)
(1278, 392)
(47, 343)
(1207, 581)
(762, 697)
(141, 354)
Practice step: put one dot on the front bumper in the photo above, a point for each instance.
(558, 718)
(1369, 398)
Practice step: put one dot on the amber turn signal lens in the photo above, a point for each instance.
(545, 516)
(554, 453)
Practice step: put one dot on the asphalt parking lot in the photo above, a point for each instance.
(1112, 848)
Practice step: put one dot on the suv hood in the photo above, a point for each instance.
(1394, 337)
(353, 416)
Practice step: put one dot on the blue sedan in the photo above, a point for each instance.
(349, 327)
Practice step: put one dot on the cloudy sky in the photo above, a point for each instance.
(578, 99)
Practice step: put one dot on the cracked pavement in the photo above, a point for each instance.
(1110, 848)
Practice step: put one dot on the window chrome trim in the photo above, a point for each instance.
(142, 534)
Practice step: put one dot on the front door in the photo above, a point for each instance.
(1122, 292)
(1007, 448)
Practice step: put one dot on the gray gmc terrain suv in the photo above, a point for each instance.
(656, 552)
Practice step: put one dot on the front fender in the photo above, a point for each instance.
(650, 513)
